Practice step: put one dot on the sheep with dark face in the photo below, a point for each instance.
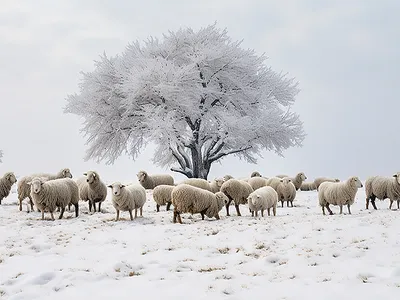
(92, 189)
(6, 182)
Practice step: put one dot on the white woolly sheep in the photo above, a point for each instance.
(6, 182)
(286, 191)
(236, 191)
(193, 200)
(263, 199)
(128, 198)
(319, 180)
(24, 189)
(48, 195)
(162, 196)
(255, 174)
(257, 182)
(383, 187)
(308, 186)
(149, 182)
(198, 182)
(338, 193)
(92, 189)
(227, 177)
(216, 184)
(298, 180)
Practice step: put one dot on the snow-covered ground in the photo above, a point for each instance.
(298, 254)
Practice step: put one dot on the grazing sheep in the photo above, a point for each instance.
(286, 191)
(6, 182)
(308, 186)
(128, 198)
(257, 182)
(92, 189)
(162, 196)
(338, 193)
(24, 189)
(149, 182)
(298, 180)
(50, 194)
(238, 191)
(193, 200)
(383, 187)
(263, 199)
(255, 174)
(319, 180)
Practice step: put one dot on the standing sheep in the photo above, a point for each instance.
(92, 189)
(236, 191)
(198, 182)
(338, 193)
(382, 188)
(6, 182)
(149, 182)
(319, 180)
(162, 196)
(263, 199)
(193, 200)
(128, 198)
(257, 182)
(298, 180)
(286, 191)
(48, 195)
(216, 184)
(308, 186)
(24, 189)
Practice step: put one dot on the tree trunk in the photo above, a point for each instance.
(200, 169)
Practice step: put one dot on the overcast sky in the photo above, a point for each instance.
(345, 55)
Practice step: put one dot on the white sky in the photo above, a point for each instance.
(345, 54)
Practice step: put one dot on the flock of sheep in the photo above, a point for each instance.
(51, 192)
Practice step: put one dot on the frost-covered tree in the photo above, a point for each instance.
(198, 95)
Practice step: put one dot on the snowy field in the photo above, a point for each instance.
(298, 254)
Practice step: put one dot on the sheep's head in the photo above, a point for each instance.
(301, 176)
(255, 174)
(10, 177)
(116, 188)
(227, 177)
(142, 175)
(222, 199)
(36, 184)
(286, 180)
(397, 176)
(355, 181)
(91, 176)
(337, 180)
(219, 181)
(66, 173)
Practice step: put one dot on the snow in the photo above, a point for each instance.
(298, 254)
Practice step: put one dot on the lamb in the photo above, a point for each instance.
(382, 188)
(24, 189)
(6, 182)
(92, 189)
(263, 199)
(255, 174)
(150, 182)
(308, 186)
(320, 180)
(190, 199)
(286, 191)
(298, 180)
(50, 194)
(338, 193)
(257, 182)
(128, 198)
(162, 196)
(236, 191)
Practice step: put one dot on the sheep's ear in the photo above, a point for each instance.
(84, 174)
(122, 186)
(395, 175)
(29, 183)
(94, 175)
(110, 186)
(281, 180)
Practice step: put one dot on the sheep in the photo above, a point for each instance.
(6, 182)
(92, 189)
(286, 191)
(162, 196)
(190, 199)
(255, 174)
(128, 198)
(382, 188)
(216, 184)
(198, 182)
(50, 194)
(24, 189)
(263, 199)
(236, 191)
(257, 182)
(338, 193)
(227, 177)
(149, 182)
(319, 180)
(298, 180)
(308, 186)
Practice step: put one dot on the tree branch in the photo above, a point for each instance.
(222, 154)
(186, 173)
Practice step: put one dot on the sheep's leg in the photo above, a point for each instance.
(274, 210)
(269, 211)
(287, 203)
(348, 208)
(256, 213)
(31, 203)
(291, 203)
(328, 208)
(52, 216)
(282, 202)
(202, 215)
(130, 214)
(391, 202)
(398, 204)
(90, 206)
(20, 204)
(158, 208)
(168, 206)
(366, 203)
(341, 209)
(179, 218)
(323, 210)
(117, 218)
(62, 212)
(373, 197)
(69, 206)
(76, 209)
(141, 211)
(43, 214)
(217, 216)
(227, 206)
(174, 218)
(262, 213)
(252, 213)
(238, 211)
(99, 210)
